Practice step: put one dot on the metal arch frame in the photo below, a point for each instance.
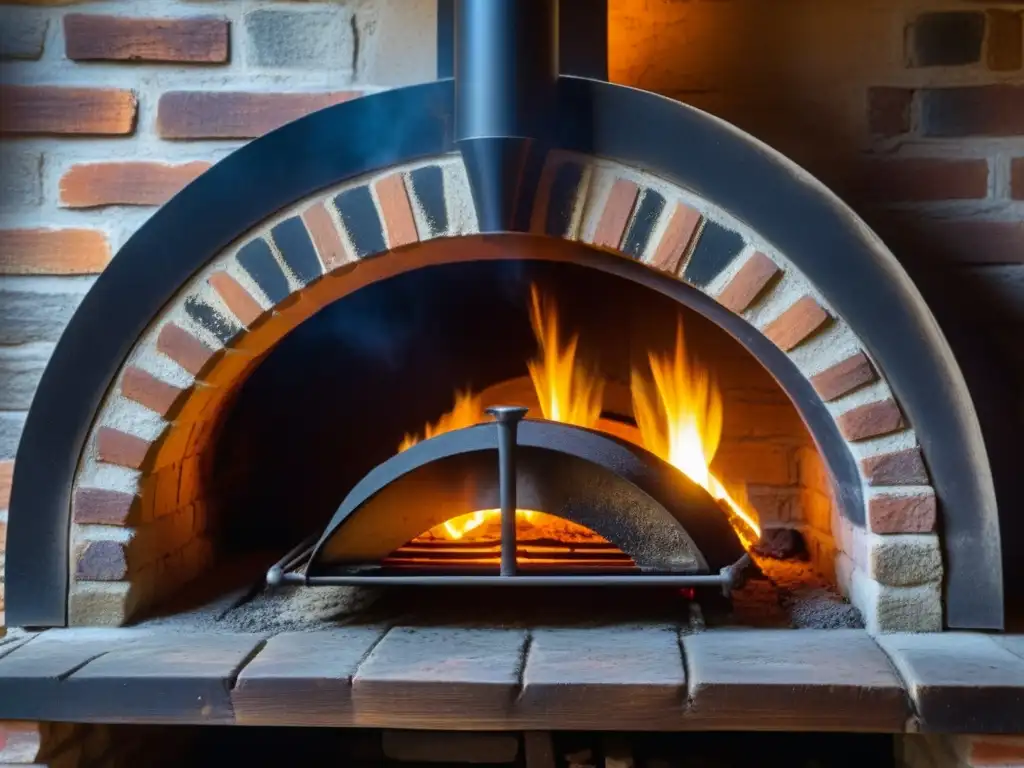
(816, 231)
(670, 492)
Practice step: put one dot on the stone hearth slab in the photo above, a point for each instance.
(303, 678)
(123, 676)
(792, 679)
(961, 682)
(437, 676)
(499, 679)
(576, 677)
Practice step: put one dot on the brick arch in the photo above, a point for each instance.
(140, 521)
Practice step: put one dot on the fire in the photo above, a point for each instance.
(466, 412)
(567, 392)
(680, 420)
(679, 416)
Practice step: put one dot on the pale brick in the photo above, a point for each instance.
(904, 560)
(35, 309)
(896, 609)
(21, 184)
(22, 33)
(11, 425)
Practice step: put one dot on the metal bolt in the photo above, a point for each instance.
(508, 418)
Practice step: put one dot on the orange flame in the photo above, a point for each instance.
(680, 420)
(466, 412)
(567, 392)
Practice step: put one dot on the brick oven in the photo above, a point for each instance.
(509, 404)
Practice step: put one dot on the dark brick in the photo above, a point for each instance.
(51, 109)
(209, 318)
(1017, 178)
(256, 258)
(361, 220)
(986, 110)
(1005, 47)
(924, 179)
(945, 39)
(99, 506)
(95, 37)
(889, 110)
(102, 561)
(562, 199)
(644, 220)
(234, 114)
(296, 248)
(428, 189)
(716, 247)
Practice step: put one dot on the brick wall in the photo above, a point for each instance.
(108, 108)
(913, 110)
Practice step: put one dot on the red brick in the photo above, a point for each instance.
(116, 447)
(184, 348)
(1005, 751)
(49, 109)
(844, 377)
(796, 324)
(149, 391)
(53, 251)
(236, 298)
(925, 179)
(6, 478)
(889, 110)
(983, 110)
(615, 217)
(1017, 182)
(904, 467)
(678, 237)
(1003, 51)
(871, 420)
(99, 506)
(136, 183)
(746, 285)
(94, 37)
(399, 224)
(326, 238)
(236, 114)
(102, 561)
(902, 514)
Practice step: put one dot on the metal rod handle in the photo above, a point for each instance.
(508, 418)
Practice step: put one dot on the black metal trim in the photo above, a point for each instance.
(819, 234)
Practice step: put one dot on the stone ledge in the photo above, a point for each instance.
(494, 679)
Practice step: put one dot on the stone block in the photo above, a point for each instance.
(20, 370)
(22, 33)
(300, 38)
(37, 309)
(21, 183)
(945, 39)
(904, 560)
(11, 425)
(896, 609)
(103, 604)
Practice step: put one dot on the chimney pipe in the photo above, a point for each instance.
(506, 71)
